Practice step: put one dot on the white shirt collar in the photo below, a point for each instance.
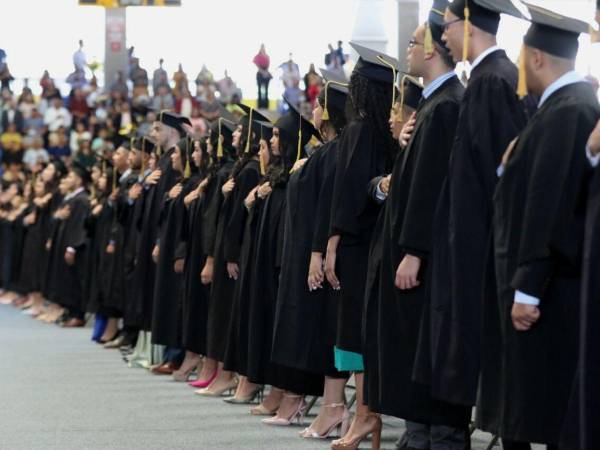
(124, 175)
(436, 84)
(482, 56)
(571, 77)
(73, 194)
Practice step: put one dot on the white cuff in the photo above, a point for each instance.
(594, 160)
(71, 250)
(524, 299)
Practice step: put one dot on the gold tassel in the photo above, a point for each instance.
(325, 111)
(299, 142)
(522, 84)
(158, 150)
(466, 42)
(142, 156)
(428, 42)
(402, 95)
(114, 179)
(220, 141)
(262, 164)
(104, 167)
(188, 169)
(249, 131)
(391, 66)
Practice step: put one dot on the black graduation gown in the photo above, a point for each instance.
(195, 295)
(168, 288)
(266, 268)
(18, 236)
(392, 317)
(147, 223)
(97, 232)
(228, 244)
(30, 278)
(448, 357)
(112, 265)
(581, 432)
(305, 321)
(68, 280)
(539, 214)
(48, 230)
(353, 215)
(236, 350)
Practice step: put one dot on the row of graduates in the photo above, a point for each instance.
(444, 272)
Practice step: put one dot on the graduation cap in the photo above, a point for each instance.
(184, 147)
(295, 124)
(145, 145)
(411, 92)
(81, 171)
(174, 120)
(434, 27)
(250, 121)
(554, 33)
(266, 132)
(334, 93)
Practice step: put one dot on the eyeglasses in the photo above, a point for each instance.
(452, 22)
(413, 43)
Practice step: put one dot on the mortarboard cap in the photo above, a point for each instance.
(59, 165)
(435, 25)
(334, 93)
(250, 122)
(375, 65)
(295, 124)
(174, 120)
(82, 172)
(554, 33)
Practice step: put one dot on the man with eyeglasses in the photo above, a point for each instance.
(491, 116)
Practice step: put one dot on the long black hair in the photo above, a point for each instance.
(244, 157)
(371, 101)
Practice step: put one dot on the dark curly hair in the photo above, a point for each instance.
(371, 101)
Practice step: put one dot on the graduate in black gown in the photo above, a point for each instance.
(581, 430)
(219, 146)
(68, 244)
(165, 133)
(194, 295)
(491, 115)
(169, 255)
(306, 312)
(228, 244)
(291, 133)
(539, 215)
(366, 149)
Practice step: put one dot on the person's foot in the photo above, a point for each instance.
(245, 388)
(361, 425)
(188, 365)
(292, 407)
(219, 387)
(270, 403)
(74, 322)
(330, 416)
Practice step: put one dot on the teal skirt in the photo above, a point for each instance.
(348, 361)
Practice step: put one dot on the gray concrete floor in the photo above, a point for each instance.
(60, 391)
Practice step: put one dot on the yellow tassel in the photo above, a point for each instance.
(220, 142)
(522, 84)
(391, 66)
(466, 38)
(428, 43)
(299, 142)
(158, 151)
(143, 169)
(325, 111)
(249, 131)
(402, 94)
(188, 170)
(262, 164)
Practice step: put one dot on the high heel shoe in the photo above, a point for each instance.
(261, 410)
(297, 415)
(201, 384)
(342, 424)
(255, 395)
(375, 433)
(228, 388)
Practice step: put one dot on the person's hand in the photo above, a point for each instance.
(228, 187)
(407, 130)
(233, 270)
(316, 275)
(153, 178)
(206, 276)
(135, 191)
(113, 195)
(49, 244)
(175, 191)
(524, 316)
(250, 198)
(69, 258)
(179, 265)
(384, 184)
(264, 190)
(30, 218)
(508, 151)
(298, 164)
(93, 203)
(155, 254)
(407, 272)
(330, 261)
(594, 141)
(97, 210)
(203, 185)
(193, 195)
(110, 248)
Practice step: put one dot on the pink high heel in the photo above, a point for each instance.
(203, 384)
